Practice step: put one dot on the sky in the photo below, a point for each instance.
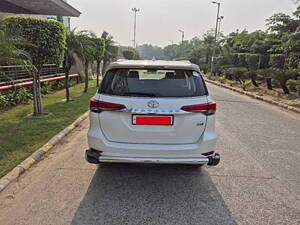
(159, 20)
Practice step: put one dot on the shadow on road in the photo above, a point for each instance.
(152, 194)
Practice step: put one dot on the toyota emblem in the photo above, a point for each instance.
(153, 104)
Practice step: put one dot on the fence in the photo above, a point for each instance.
(18, 74)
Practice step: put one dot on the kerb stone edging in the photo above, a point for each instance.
(282, 105)
(37, 156)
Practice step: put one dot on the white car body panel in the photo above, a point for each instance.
(117, 126)
(97, 140)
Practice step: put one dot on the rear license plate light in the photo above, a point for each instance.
(152, 120)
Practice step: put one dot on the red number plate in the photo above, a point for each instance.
(152, 120)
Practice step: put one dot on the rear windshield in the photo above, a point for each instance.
(153, 83)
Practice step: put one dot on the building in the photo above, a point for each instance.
(63, 19)
(57, 9)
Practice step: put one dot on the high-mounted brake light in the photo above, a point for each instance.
(99, 106)
(208, 109)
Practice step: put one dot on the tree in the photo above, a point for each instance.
(148, 51)
(239, 73)
(195, 54)
(279, 71)
(169, 51)
(108, 50)
(98, 53)
(73, 48)
(281, 26)
(253, 65)
(87, 56)
(208, 45)
(297, 12)
(128, 54)
(48, 39)
(282, 76)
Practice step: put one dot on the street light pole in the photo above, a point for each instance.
(216, 34)
(220, 20)
(135, 10)
(182, 35)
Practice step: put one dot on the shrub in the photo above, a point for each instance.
(228, 73)
(264, 61)
(90, 72)
(227, 60)
(242, 60)
(130, 54)
(57, 85)
(293, 60)
(235, 59)
(231, 83)
(239, 73)
(204, 68)
(277, 61)
(252, 61)
(211, 77)
(282, 76)
(222, 79)
(22, 95)
(46, 88)
(275, 83)
(13, 98)
(293, 85)
(217, 70)
(47, 38)
(81, 74)
(245, 84)
(3, 102)
(266, 74)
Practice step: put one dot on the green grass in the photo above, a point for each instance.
(21, 136)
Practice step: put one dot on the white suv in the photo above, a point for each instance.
(152, 112)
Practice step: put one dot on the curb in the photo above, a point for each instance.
(282, 105)
(38, 155)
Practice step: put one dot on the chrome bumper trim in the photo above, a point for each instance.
(114, 159)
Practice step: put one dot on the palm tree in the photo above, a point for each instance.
(87, 56)
(109, 50)
(73, 48)
(9, 51)
(98, 52)
(208, 44)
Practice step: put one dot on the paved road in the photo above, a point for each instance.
(256, 183)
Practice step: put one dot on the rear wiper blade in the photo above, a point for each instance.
(140, 94)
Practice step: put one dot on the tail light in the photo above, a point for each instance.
(97, 151)
(99, 106)
(207, 109)
(208, 153)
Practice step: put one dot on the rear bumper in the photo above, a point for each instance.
(96, 158)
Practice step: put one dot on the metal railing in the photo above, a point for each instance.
(17, 74)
